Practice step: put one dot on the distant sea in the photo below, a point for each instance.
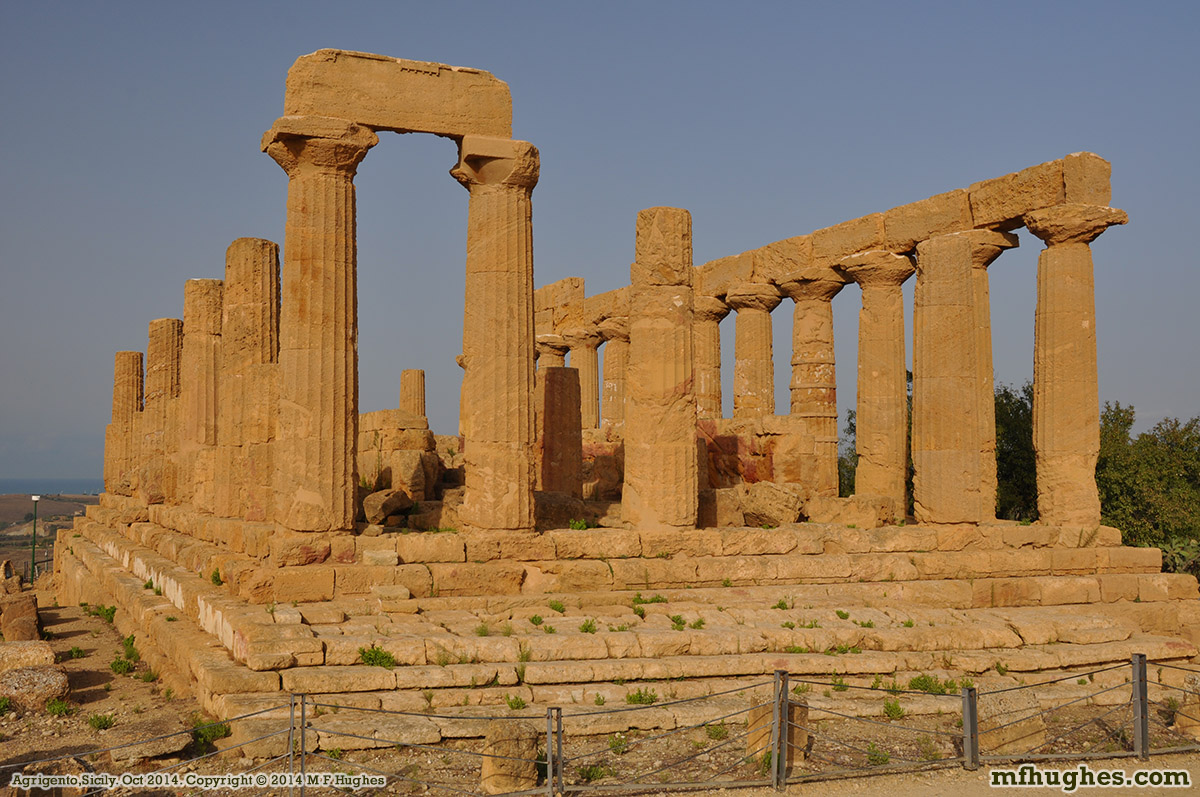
(51, 486)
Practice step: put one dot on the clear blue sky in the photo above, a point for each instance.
(130, 160)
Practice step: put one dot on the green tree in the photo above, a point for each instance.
(847, 456)
(1016, 467)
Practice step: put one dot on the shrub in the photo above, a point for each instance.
(77, 653)
(843, 615)
(376, 656)
(57, 707)
(677, 622)
(536, 619)
(515, 702)
(642, 697)
(149, 676)
(482, 629)
(591, 772)
(599, 701)
(5, 705)
(892, 709)
(717, 732)
(216, 578)
(588, 626)
(549, 629)
(101, 722)
(876, 757)
(618, 743)
(578, 524)
(557, 606)
(106, 613)
(697, 624)
(839, 684)
(131, 652)
(121, 666)
(205, 733)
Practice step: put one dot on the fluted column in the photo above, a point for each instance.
(616, 363)
(709, 311)
(583, 344)
(119, 439)
(201, 480)
(1066, 402)
(753, 368)
(162, 385)
(948, 438)
(498, 334)
(881, 413)
(661, 488)
(318, 324)
(985, 378)
(412, 391)
(248, 392)
(813, 384)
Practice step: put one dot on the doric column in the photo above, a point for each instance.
(162, 385)
(561, 441)
(551, 351)
(119, 442)
(753, 368)
(248, 393)
(616, 362)
(661, 487)
(1066, 402)
(985, 378)
(498, 332)
(950, 482)
(318, 325)
(709, 310)
(583, 344)
(201, 479)
(881, 413)
(813, 384)
(412, 391)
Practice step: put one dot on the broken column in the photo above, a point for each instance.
(948, 431)
(709, 310)
(1066, 403)
(881, 415)
(753, 369)
(661, 488)
(318, 326)
(162, 385)
(498, 335)
(551, 351)
(247, 385)
(813, 384)
(412, 391)
(616, 362)
(583, 344)
(561, 460)
(200, 362)
(119, 440)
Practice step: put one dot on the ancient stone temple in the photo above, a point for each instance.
(594, 458)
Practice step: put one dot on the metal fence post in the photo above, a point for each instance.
(970, 728)
(779, 732)
(1141, 708)
(303, 742)
(550, 757)
(291, 742)
(558, 756)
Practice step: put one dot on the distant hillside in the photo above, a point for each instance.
(13, 508)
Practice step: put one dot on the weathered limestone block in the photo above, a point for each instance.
(856, 235)
(882, 409)
(707, 347)
(720, 507)
(510, 751)
(1000, 203)
(906, 226)
(661, 473)
(120, 445)
(758, 725)
(776, 260)
(1019, 707)
(1066, 411)
(813, 382)
(412, 391)
(15, 654)
(950, 458)
(863, 511)
(716, 277)
(498, 332)
(28, 688)
(163, 735)
(200, 363)
(616, 363)
(754, 367)
(19, 617)
(765, 503)
(1187, 719)
(399, 94)
(560, 446)
(318, 356)
(162, 385)
(379, 505)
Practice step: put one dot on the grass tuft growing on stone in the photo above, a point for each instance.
(376, 656)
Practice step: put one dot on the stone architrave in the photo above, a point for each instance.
(709, 310)
(814, 372)
(317, 432)
(201, 362)
(615, 332)
(412, 391)
(753, 368)
(498, 334)
(119, 442)
(661, 488)
(247, 386)
(561, 462)
(585, 359)
(1066, 403)
(162, 385)
(948, 428)
(882, 409)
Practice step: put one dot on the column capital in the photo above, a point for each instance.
(877, 267)
(484, 161)
(753, 296)
(812, 282)
(582, 337)
(709, 308)
(551, 344)
(1072, 223)
(614, 328)
(985, 245)
(319, 143)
